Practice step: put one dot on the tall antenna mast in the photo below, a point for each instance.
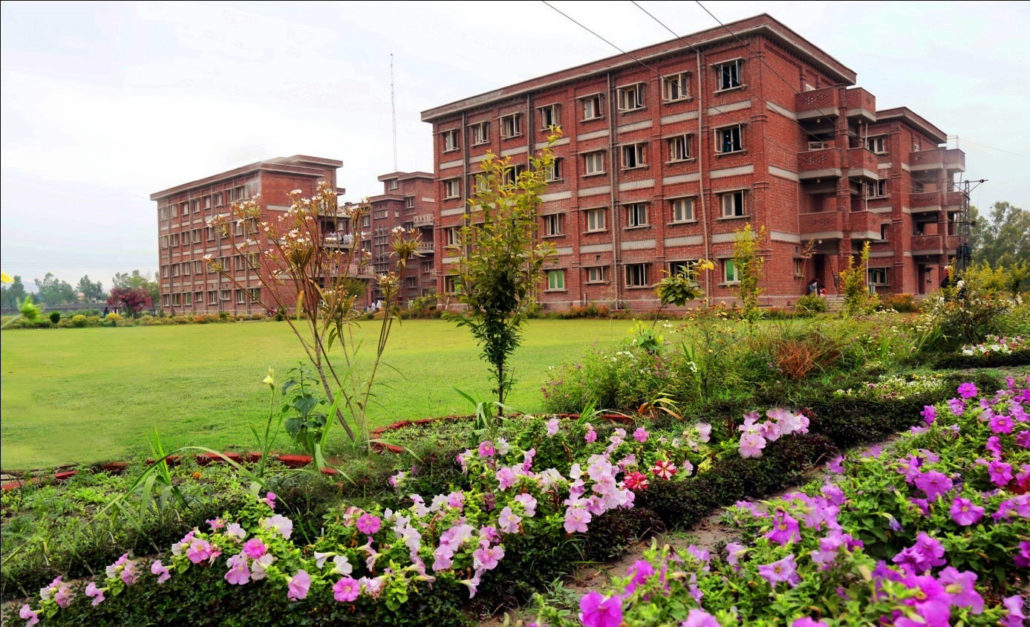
(393, 111)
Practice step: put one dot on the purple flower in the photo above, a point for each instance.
(956, 406)
(1014, 605)
(836, 464)
(929, 414)
(598, 611)
(281, 524)
(591, 435)
(640, 571)
(254, 548)
(161, 571)
(751, 445)
(640, 435)
(505, 478)
(1000, 472)
(508, 521)
(576, 519)
(129, 573)
(784, 529)
(270, 500)
(967, 390)
(486, 449)
(95, 593)
(487, 559)
(933, 484)
(26, 613)
(964, 512)
(346, 589)
(734, 550)
(699, 618)
(1022, 558)
(238, 573)
(926, 553)
(781, 570)
(552, 427)
(1023, 439)
(807, 622)
(1001, 423)
(201, 550)
(993, 446)
(528, 503)
(962, 588)
(299, 585)
(215, 523)
(369, 524)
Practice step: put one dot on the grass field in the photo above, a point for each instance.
(95, 394)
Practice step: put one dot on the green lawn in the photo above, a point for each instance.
(86, 395)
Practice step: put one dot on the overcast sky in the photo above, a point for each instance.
(103, 104)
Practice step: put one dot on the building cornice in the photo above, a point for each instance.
(296, 165)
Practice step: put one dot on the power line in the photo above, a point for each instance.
(571, 19)
(1018, 154)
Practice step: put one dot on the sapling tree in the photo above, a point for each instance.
(854, 284)
(501, 261)
(747, 255)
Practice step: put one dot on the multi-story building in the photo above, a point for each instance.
(669, 150)
(188, 284)
(407, 202)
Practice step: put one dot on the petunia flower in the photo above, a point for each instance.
(299, 585)
(600, 611)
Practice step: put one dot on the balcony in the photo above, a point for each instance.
(423, 220)
(922, 202)
(860, 103)
(822, 225)
(952, 160)
(952, 201)
(865, 225)
(334, 240)
(863, 164)
(819, 103)
(426, 248)
(815, 164)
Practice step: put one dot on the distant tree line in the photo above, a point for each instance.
(129, 291)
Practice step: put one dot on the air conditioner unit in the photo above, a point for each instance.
(818, 145)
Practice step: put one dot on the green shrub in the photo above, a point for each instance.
(79, 321)
(55, 317)
(901, 303)
(811, 303)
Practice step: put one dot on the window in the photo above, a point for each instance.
(511, 125)
(512, 174)
(729, 271)
(393, 184)
(877, 144)
(240, 298)
(196, 206)
(595, 220)
(164, 272)
(732, 204)
(210, 233)
(366, 222)
(636, 275)
(727, 75)
(186, 267)
(876, 189)
(593, 163)
(631, 97)
(679, 148)
(451, 189)
(411, 283)
(885, 230)
(799, 268)
(636, 214)
(198, 268)
(877, 276)
(212, 297)
(450, 140)
(480, 133)
(450, 236)
(592, 107)
(729, 139)
(550, 116)
(409, 202)
(597, 274)
(207, 202)
(450, 284)
(479, 183)
(189, 299)
(255, 294)
(175, 239)
(225, 294)
(164, 241)
(175, 269)
(176, 299)
(553, 171)
(553, 225)
(185, 207)
(676, 87)
(682, 209)
(555, 280)
(218, 199)
(633, 156)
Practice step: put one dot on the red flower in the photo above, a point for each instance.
(664, 469)
(636, 481)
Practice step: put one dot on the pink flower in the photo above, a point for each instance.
(962, 588)
(784, 529)
(270, 500)
(636, 481)
(281, 524)
(129, 573)
(967, 390)
(807, 622)
(486, 449)
(487, 558)
(508, 521)
(1001, 423)
(836, 464)
(238, 573)
(751, 445)
(576, 519)
(1014, 605)
(591, 435)
(699, 618)
(552, 427)
(933, 484)
(456, 500)
(27, 614)
(95, 593)
(346, 590)
(528, 503)
(664, 469)
(216, 524)
(161, 571)
(201, 550)
(964, 512)
(1000, 472)
(929, 414)
(254, 548)
(781, 570)
(299, 585)
(956, 406)
(369, 524)
(599, 611)
(505, 478)
(640, 435)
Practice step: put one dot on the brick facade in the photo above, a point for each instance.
(670, 149)
(188, 285)
(407, 202)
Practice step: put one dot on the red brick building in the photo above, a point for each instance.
(669, 149)
(188, 285)
(407, 202)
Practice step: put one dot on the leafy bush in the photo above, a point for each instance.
(55, 317)
(811, 303)
(79, 321)
(901, 303)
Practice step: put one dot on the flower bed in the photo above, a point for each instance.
(935, 531)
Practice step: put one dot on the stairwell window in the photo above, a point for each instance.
(633, 156)
(682, 209)
(511, 125)
(636, 275)
(676, 87)
(679, 148)
(733, 204)
(450, 140)
(631, 97)
(728, 75)
(636, 215)
(729, 139)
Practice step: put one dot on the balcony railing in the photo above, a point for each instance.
(953, 200)
(860, 103)
(952, 160)
(865, 225)
(822, 225)
(819, 163)
(924, 201)
(426, 247)
(818, 103)
(333, 240)
(424, 220)
(863, 163)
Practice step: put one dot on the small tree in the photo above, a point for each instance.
(750, 265)
(135, 280)
(91, 292)
(501, 262)
(854, 285)
(680, 288)
(130, 300)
